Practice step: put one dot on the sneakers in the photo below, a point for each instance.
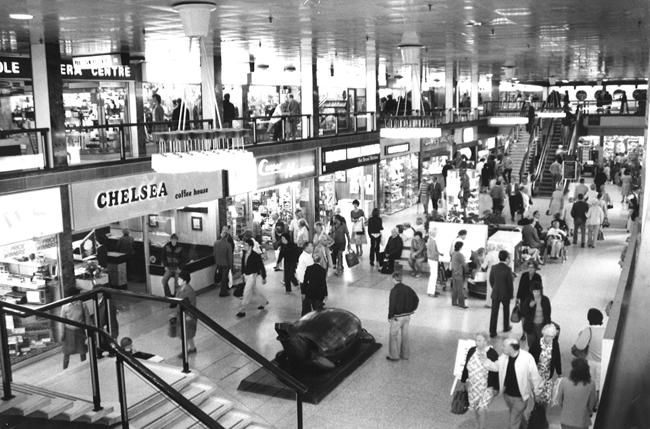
(261, 307)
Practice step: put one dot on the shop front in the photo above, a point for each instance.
(134, 217)
(16, 94)
(348, 173)
(398, 175)
(29, 266)
(434, 154)
(285, 183)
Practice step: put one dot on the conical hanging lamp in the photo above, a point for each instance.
(195, 16)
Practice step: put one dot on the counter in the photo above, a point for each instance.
(200, 265)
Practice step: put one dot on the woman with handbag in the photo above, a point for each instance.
(589, 344)
(341, 238)
(73, 339)
(459, 272)
(546, 353)
(185, 291)
(358, 218)
(252, 267)
(482, 384)
(577, 396)
(536, 313)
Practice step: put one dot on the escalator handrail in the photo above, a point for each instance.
(539, 171)
(137, 366)
(531, 139)
(281, 374)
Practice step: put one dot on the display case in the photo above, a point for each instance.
(399, 178)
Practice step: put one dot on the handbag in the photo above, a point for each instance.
(515, 316)
(460, 402)
(172, 329)
(601, 236)
(351, 259)
(581, 353)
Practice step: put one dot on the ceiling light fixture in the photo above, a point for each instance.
(21, 16)
(513, 11)
(195, 16)
(468, 7)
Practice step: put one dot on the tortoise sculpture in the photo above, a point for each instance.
(321, 338)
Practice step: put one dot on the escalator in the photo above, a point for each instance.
(543, 180)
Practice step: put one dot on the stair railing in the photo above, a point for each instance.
(184, 308)
(122, 357)
(531, 139)
(539, 168)
(573, 143)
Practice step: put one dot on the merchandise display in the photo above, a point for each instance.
(342, 187)
(399, 178)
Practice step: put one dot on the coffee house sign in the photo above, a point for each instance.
(276, 169)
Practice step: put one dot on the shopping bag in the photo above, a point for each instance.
(351, 259)
(172, 329)
(601, 236)
(515, 316)
(460, 402)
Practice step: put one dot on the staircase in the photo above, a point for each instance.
(37, 406)
(518, 152)
(545, 185)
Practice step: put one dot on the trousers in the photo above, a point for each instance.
(592, 234)
(169, 273)
(374, 249)
(398, 346)
(494, 316)
(517, 406)
(579, 225)
(458, 292)
(433, 277)
(251, 292)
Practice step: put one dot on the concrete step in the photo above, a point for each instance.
(213, 406)
(17, 399)
(170, 411)
(234, 419)
(158, 398)
(93, 416)
(28, 406)
(56, 406)
(78, 409)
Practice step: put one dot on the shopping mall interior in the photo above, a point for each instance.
(324, 214)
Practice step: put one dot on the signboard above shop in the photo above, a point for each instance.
(395, 149)
(113, 72)
(15, 68)
(76, 69)
(284, 168)
(31, 214)
(97, 61)
(98, 203)
(338, 159)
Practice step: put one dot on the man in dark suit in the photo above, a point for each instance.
(501, 279)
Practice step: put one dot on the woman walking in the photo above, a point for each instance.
(290, 254)
(482, 384)
(523, 291)
(185, 291)
(577, 397)
(626, 184)
(375, 226)
(557, 202)
(537, 313)
(358, 218)
(546, 353)
(322, 243)
(252, 268)
(458, 268)
(73, 339)
(341, 238)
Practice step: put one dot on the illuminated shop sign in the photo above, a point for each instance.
(397, 148)
(468, 135)
(277, 169)
(31, 214)
(15, 68)
(113, 72)
(344, 158)
(97, 61)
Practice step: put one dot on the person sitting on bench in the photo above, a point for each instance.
(392, 251)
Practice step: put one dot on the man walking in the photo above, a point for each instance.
(518, 380)
(173, 259)
(314, 287)
(556, 171)
(433, 256)
(498, 195)
(403, 302)
(229, 112)
(579, 215)
(580, 188)
(435, 193)
(501, 279)
(223, 255)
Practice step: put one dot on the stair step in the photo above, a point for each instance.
(56, 406)
(233, 419)
(28, 406)
(93, 416)
(170, 411)
(158, 398)
(213, 406)
(78, 409)
(5, 405)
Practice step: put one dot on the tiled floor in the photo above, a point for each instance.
(380, 394)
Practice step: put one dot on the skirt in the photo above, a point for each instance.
(360, 238)
(74, 341)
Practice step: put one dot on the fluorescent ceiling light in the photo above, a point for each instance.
(21, 16)
(405, 133)
(513, 11)
(507, 120)
(468, 7)
(501, 21)
(557, 114)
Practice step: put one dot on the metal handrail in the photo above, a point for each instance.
(539, 169)
(533, 135)
(5, 133)
(122, 357)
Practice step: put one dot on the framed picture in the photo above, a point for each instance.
(153, 221)
(197, 223)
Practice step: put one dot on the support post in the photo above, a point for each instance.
(186, 366)
(94, 373)
(121, 392)
(6, 360)
(299, 409)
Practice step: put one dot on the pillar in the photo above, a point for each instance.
(474, 82)
(66, 261)
(495, 89)
(309, 87)
(450, 80)
(210, 81)
(372, 82)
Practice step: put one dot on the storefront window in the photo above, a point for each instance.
(342, 187)
(399, 179)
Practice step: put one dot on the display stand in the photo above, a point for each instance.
(117, 270)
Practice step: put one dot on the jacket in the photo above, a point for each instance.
(290, 253)
(595, 215)
(403, 301)
(529, 313)
(579, 211)
(556, 358)
(528, 378)
(173, 256)
(103, 317)
(304, 261)
(523, 292)
(435, 191)
(418, 248)
(394, 247)
(529, 236)
(253, 265)
(502, 282)
(493, 376)
(432, 249)
(222, 253)
(314, 285)
(375, 225)
(458, 266)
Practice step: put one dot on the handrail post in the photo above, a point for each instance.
(6, 360)
(122, 142)
(109, 319)
(121, 392)
(254, 130)
(186, 366)
(299, 409)
(96, 320)
(94, 373)
(283, 126)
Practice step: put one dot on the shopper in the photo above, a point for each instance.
(435, 193)
(626, 184)
(185, 291)
(556, 171)
(157, 114)
(403, 301)
(375, 227)
(173, 260)
(294, 225)
(515, 201)
(518, 379)
(418, 254)
(322, 243)
(433, 257)
(125, 245)
(536, 310)
(595, 219)
(305, 260)
(290, 255)
(556, 205)
(498, 197)
(106, 315)
(482, 384)
(555, 239)
(501, 279)
(589, 343)
(462, 236)
(507, 168)
(229, 111)
(391, 253)
(73, 339)
(252, 268)
(314, 287)
(223, 261)
(303, 233)
(358, 218)
(580, 188)
(546, 352)
(279, 228)
(341, 238)
(579, 215)
(459, 271)
(577, 397)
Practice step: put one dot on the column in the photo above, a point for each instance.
(495, 89)
(210, 82)
(372, 84)
(309, 87)
(450, 80)
(474, 82)
(48, 86)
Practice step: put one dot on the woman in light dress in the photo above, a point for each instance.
(482, 385)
